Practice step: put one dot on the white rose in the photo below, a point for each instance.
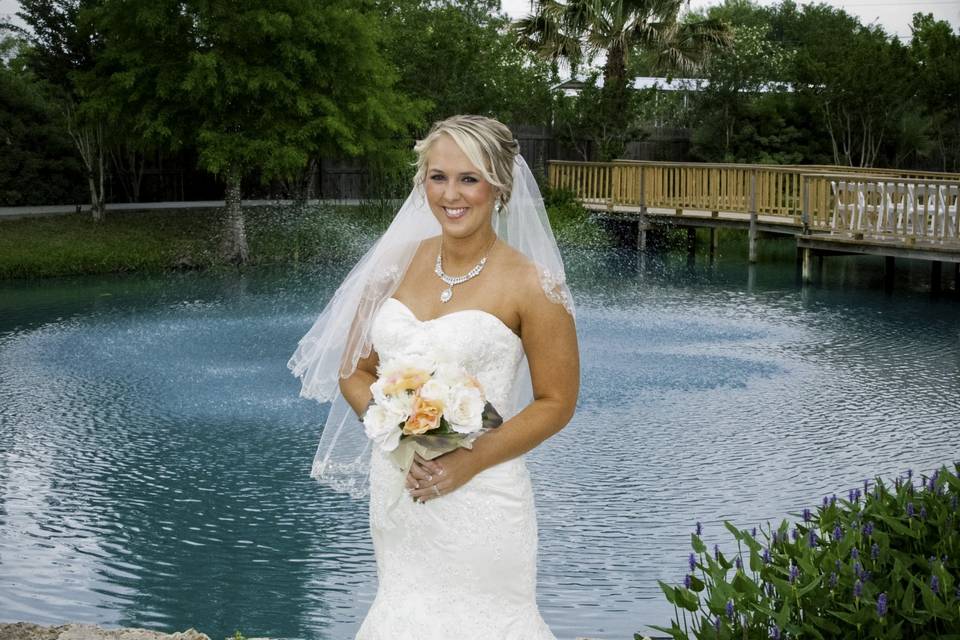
(399, 404)
(383, 427)
(436, 391)
(465, 410)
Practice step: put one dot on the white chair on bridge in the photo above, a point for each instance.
(893, 208)
(949, 196)
(845, 204)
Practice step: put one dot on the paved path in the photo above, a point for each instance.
(61, 209)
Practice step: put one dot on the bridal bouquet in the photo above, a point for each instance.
(426, 407)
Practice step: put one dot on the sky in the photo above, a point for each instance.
(893, 15)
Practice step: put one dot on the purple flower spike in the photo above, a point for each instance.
(865, 576)
(882, 605)
(856, 495)
(857, 589)
(738, 563)
(775, 633)
(773, 537)
(868, 529)
(850, 495)
(699, 528)
(833, 499)
(826, 501)
(866, 487)
(807, 515)
(935, 584)
(716, 552)
(854, 553)
(687, 581)
(857, 569)
(833, 580)
(692, 561)
(753, 532)
(837, 565)
(837, 533)
(813, 541)
(730, 610)
(923, 512)
(716, 624)
(794, 573)
(795, 533)
(766, 556)
(910, 510)
(875, 552)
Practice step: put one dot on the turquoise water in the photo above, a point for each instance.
(154, 451)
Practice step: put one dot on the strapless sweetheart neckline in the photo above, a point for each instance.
(499, 322)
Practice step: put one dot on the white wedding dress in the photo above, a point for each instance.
(462, 566)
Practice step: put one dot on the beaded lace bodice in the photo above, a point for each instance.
(475, 339)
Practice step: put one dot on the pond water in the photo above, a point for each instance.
(154, 453)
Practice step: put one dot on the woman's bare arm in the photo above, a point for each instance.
(550, 342)
(356, 387)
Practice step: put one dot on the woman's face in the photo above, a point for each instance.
(460, 198)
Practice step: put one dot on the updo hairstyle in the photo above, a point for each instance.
(486, 142)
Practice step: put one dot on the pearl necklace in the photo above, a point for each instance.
(450, 281)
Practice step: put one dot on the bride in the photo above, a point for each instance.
(469, 268)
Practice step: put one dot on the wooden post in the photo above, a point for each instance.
(889, 263)
(936, 273)
(643, 195)
(805, 214)
(642, 227)
(753, 217)
(807, 265)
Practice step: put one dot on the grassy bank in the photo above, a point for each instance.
(173, 239)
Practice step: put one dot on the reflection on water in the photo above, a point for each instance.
(154, 451)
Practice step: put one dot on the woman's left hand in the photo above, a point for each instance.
(447, 473)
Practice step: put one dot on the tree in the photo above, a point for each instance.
(36, 161)
(253, 84)
(458, 57)
(579, 31)
(836, 67)
(62, 53)
(935, 50)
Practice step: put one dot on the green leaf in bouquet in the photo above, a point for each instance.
(491, 417)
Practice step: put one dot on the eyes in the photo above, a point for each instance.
(468, 179)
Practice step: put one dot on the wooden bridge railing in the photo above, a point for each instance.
(876, 202)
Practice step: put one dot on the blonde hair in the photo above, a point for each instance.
(486, 142)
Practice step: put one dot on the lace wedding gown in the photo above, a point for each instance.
(462, 566)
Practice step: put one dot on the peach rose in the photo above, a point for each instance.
(407, 379)
(424, 416)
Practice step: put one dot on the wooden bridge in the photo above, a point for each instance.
(830, 210)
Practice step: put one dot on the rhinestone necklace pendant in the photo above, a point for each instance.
(450, 281)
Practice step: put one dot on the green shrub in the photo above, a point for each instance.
(881, 564)
(571, 222)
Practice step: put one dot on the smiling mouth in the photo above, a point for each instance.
(455, 213)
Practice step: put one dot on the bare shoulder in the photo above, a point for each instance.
(529, 297)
